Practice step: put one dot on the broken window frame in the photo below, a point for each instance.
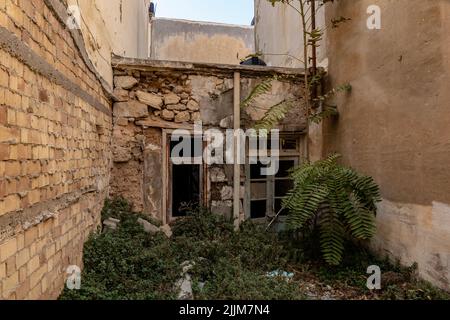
(296, 155)
(168, 182)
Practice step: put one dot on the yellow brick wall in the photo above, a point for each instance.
(54, 155)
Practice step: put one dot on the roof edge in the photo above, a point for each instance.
(195, 67)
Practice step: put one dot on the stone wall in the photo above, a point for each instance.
(55, 133)
(152, 96)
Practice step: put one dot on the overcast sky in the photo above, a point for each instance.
(225, 11)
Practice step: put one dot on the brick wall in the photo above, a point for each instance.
(55, 133)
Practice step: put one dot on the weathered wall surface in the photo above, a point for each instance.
(192, 41)
(112, 26)
(157, 95)
(55, 127)
(127, 25)
(278, 34)
(395, 124)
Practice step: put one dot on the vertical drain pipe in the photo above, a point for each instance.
(237, 151)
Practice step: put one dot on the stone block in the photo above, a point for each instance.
(171, 98)
(121, 95)
(130, 109)
(168, 115)
(177, 107)
(183, 116)
(150, 99)
(196, 116)
(148, 227)
(192, 105)
(226, 193)
(167, 230)
(217, 175)
(125, 82)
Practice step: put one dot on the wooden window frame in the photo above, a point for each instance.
(296, 155)
(167, 178)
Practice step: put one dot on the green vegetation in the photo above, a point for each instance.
(333, 201)
(131, 264)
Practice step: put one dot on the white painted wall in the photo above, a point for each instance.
(278, 34)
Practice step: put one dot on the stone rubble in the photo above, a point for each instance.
(148, 227)
(184, 284)
(110, 224)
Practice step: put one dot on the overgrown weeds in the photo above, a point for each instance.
(129, 264)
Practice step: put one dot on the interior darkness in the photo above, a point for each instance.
(285, 166)
(185, 186)
(258, 209)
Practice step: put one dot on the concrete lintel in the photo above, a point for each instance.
(204, 68)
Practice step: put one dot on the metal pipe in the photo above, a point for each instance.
(236, 165)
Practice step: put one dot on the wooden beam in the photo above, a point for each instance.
(237, 151)
(158, 123)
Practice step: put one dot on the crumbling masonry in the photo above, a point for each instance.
(68, 141)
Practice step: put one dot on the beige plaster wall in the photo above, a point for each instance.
(278, 34)
(394, 124)
(193, 41)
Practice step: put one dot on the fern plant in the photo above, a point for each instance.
(334, 200)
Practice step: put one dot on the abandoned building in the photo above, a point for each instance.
(178, 94)
(88, 107)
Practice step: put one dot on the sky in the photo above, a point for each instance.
(224, 11)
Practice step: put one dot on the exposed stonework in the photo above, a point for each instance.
(175, 98)
(150, 99)
(131, 109)
(125, 82)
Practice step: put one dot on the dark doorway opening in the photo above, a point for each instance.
(186, 182)
(185, 189)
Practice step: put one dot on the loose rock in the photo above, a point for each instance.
(111, 224)
(148, 227)
(167, 230)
